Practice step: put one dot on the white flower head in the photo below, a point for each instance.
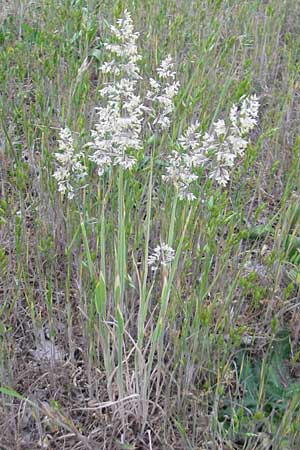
(117, 133)
(249, 114)
(165, 70)
(191, 139)
(162, 255)
(216, 151)
(179, 172)
(244, 119)
(221, 175)
(220, 128)
(70, 168)
(233, 115)
(125, 49)
(155, 86)
(162, 93)
(230, 142)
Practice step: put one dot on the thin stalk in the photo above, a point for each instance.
(172, 222)
(121, 247)
(158, 334)
(144, 302)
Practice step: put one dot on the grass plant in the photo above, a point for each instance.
(149, 270)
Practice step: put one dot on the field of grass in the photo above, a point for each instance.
(97, 350)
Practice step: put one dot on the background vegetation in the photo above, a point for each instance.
(97, 352)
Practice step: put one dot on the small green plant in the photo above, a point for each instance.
(265, 391)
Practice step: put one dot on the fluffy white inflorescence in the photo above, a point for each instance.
(161, 94)
(161, 255)
(118, 129)
(70, 168)
(216, 151)
(179, 172)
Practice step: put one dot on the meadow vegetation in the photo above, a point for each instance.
(149, 224)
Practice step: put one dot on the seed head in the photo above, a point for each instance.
(162, 93)
(216, 151)
(70, 168)
(117, 131)
(162, 255)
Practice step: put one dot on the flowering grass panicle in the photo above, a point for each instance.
(161, 94)
(179, 172)
(162, 255)
(125, 50)
(217, 151)
(118, 129)
(70, 168)
(245, 119)
(231, 143)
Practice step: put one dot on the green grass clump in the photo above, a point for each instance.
(97, 350)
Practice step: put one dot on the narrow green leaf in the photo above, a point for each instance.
(100, 296)
(120, 321)
(11, 392)
(88, 253)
